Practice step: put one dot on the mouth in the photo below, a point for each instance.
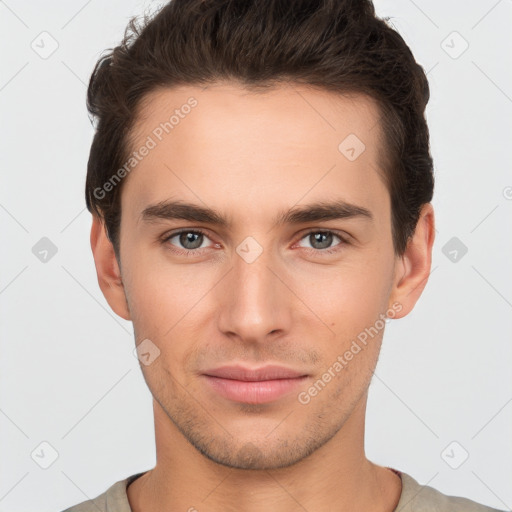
(254, 386)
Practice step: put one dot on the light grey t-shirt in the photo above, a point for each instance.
(414, 498)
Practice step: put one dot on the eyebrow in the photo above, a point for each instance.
(320, 211)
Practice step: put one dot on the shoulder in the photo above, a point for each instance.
(114, 499)
(422, 498)
(98, 504)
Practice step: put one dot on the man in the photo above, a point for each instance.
(260, 183)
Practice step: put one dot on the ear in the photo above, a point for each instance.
(412, 269)
(107, 269)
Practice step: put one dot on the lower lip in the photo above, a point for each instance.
(257, 392)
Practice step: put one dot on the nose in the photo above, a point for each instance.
(254, 301)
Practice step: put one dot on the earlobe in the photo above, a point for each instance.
(413, 269)
(107, 269)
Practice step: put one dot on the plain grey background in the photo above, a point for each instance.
(440, 404)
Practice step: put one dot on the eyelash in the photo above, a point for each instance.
(194, 252)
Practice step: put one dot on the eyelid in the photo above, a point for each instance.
(344, 240)
(171, 234)
(340, 234)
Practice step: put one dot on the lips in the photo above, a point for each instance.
(252, 375)
(253, 386)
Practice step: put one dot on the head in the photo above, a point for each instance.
(260, 183)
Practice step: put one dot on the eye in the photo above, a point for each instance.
(321, 241)
(187, 240)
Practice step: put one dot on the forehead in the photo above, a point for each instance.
(248, 151)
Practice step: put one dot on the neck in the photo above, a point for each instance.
(337, 476)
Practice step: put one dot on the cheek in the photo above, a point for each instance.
(350, 294)
(349, 300)
(151, 295)
(153, 286)
(168, 304)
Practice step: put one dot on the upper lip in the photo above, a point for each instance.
(269, 372)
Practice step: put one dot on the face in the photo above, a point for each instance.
(228, 259)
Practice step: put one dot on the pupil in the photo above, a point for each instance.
(318, 238)
(193, 238)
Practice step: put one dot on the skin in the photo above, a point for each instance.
(250, 156)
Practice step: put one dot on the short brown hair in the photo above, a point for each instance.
(336, 45)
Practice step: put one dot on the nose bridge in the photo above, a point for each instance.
(252, 299)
